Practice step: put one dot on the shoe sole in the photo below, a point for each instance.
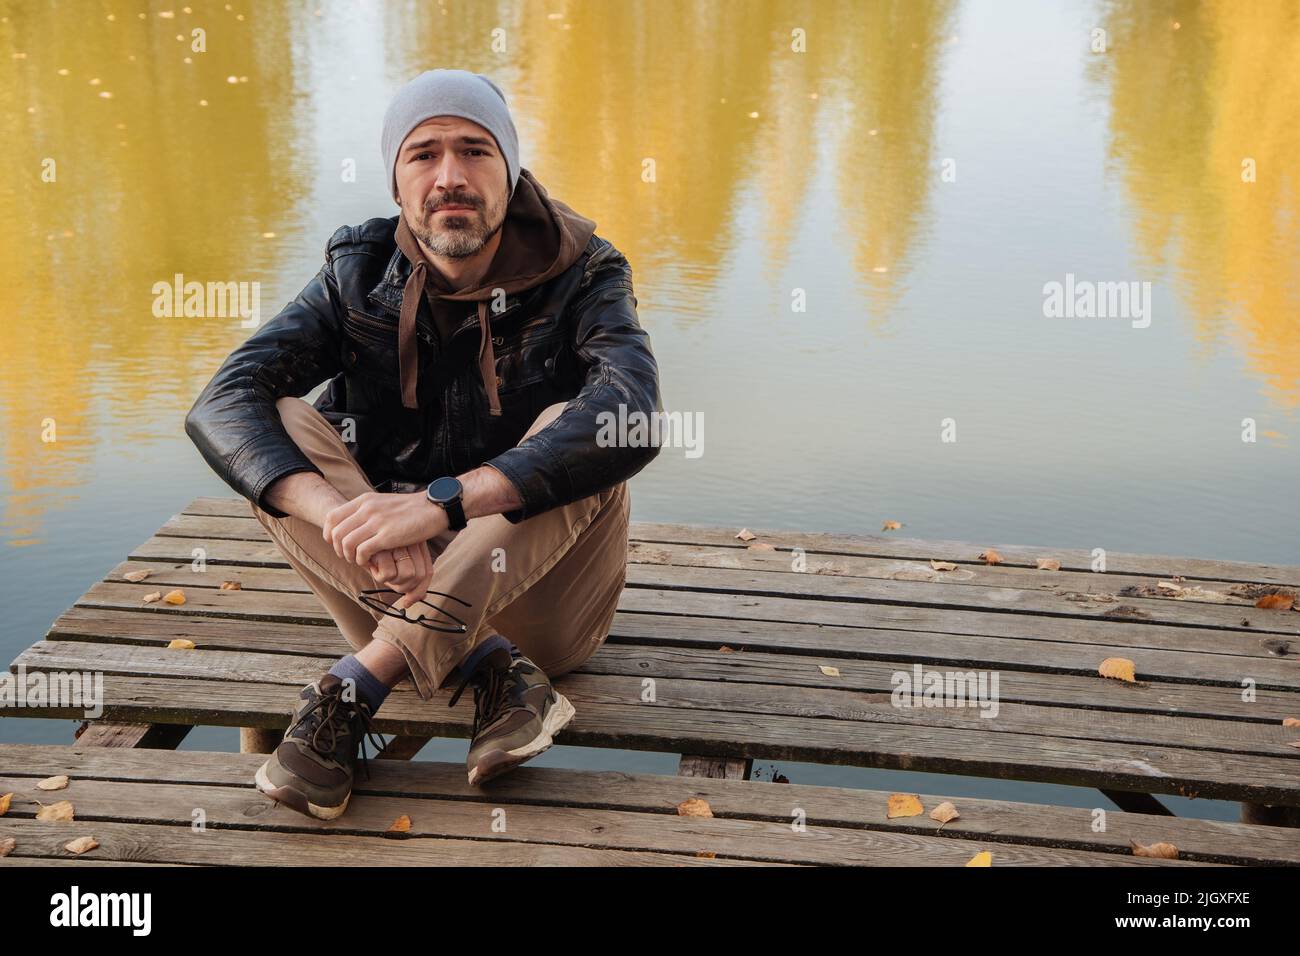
(497, 762)
(296, 800)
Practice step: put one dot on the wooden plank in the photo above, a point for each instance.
(722, 768)
(984, 820)
(1079, 762)
(1239, 737)
(891, 547)
(625, 653)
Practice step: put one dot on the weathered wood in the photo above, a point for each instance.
(983, 820)
(125, 735)
(719, 768)
(258, 740)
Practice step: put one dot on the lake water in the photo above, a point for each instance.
(921, 171)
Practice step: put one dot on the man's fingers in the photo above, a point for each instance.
(341, 530)
(382, 567)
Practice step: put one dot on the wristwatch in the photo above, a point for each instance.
(446, 494)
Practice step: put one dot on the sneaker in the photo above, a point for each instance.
(312, 768)
(517, 713)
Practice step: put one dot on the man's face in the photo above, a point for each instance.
(452, 185)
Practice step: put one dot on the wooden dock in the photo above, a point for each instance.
(786, 647)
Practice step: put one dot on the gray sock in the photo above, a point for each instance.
(369, 687)
(471, 661)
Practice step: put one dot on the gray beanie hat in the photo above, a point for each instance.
(471, 96)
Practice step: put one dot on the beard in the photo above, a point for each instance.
(459, 234)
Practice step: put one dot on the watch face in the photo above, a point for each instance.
(445, 489)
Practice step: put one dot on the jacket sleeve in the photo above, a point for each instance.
(564, 461)
(234, 422)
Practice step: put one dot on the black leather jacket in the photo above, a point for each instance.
(575, 337)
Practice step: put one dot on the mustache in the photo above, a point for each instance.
(453, 201)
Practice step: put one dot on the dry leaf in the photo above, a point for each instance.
(829, 671)
(761, 546)
(135, 577)
(175, 597)
(1049, 564)
(401, 825)
(231, 586)
(5, 800)
(53, 783)
(727, 650)
(944, 812)
(904, 805)
(1170, 586)
(1291, 722)
(890, 526)
(81, 844)
(989, 556)
(60, 812)
(155, 596)
(982, 858)
(7, 846)
(707, 855)
(1275, 602)
(744, 534)
(694, 807)
(1120, 668)
(180, 644)
(1160, 851)
(942, 565)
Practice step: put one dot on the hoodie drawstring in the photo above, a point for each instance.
(487, 360)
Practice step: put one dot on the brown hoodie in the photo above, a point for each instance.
(540, 238)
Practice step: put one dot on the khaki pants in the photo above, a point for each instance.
(550, 584)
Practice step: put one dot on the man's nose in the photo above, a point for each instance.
(451, 173)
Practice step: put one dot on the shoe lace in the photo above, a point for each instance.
(492, 687)
(329, 715)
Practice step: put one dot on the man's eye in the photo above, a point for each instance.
(423, 155)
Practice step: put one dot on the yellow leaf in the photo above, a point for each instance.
(727, 650)
(150, 598)
(744, 534)
(7, 846)
(1276, 602)
(135, 577)
(694, 807)
(942, 565)
(1160, 851)
(180, 644)
(5, 800)
(890, 526)
(231, 586)
(944, 812)
(60, 812)
(1291, 722)
(1120, 668)
(81, 844)
(707, 855)
(989, 556)
(829, 671)
(401, 825)
(982, 858)
(1049, 564)
(904, 805)
(175, 597)
(53, 783)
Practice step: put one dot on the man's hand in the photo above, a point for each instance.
(408, 570)
(368, 524)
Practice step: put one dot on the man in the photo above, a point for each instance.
(474, 345)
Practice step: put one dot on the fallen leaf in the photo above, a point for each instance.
(1128, 612)
(990, 556)
(180, 644)
(53, 783)
(1120, 668)
(60, 812)
(761, 546)
(135, 577)
(1169, 586)
(155, 596)
(175, 597)
(1159, 851)
(944, 812)
(982, 858)
(890, 526)
(744, 534)
(942, 565)
(707, 855)
(727, 650)
(694, 807)
(1276, 602)
(5, 800)
(1291, 722)
(828, 670)
(81, 844)
(1048, 564)
(904, 805)
(401, 825)
(7, 846)
(231, 586)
